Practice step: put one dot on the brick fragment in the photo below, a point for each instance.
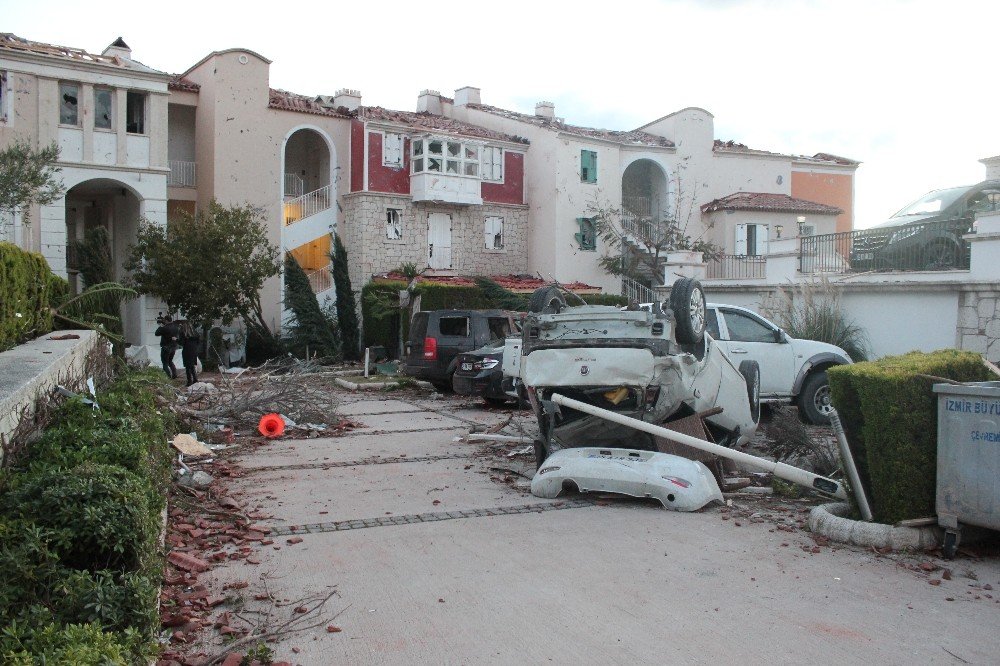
(187, 562)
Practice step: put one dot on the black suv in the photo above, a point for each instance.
(927, 234)
(437, 338)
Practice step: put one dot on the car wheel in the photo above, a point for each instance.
(815, 403)
(496, 402)
(940, 256)
(548, 300)
(687, 301)
(751, 372)
(540, 453)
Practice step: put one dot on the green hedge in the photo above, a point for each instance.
(889, 413)
(27, 290)
(79, 526)
(385, 330)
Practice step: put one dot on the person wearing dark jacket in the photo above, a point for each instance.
(168, 332)
(190, 345)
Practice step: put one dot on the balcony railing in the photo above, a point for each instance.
(182, 174)
(294, 186)
(736, 267)
(321, 279)
(636, 291)
(302, 207)
(929, 246)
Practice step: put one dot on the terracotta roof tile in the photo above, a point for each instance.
(434, 122)
(288, 101)
(626, 137)
(178, 82)
(771, 203)
(12, 42)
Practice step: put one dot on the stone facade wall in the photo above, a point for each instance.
(979, 322)
(370, 252)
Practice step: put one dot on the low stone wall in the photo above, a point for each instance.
(979, 321)
(31, 371)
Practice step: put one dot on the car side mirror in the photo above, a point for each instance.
(779, 335)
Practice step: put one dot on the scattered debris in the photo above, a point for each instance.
(190, 446)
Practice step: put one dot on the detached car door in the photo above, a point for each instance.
(746, 336)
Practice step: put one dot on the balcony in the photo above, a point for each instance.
(737, 267)
(182, 174)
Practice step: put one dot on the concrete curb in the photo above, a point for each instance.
(372, 386)
(828, 520)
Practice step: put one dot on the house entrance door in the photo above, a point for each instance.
(439, 240)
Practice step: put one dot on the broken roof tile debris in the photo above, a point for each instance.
(12, 42)
(435, 123)
(181, 83)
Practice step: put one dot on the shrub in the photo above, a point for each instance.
(309, 331)
(26, 294)
(77, 644)
(347, 311)
(818, 315)
(889, 413)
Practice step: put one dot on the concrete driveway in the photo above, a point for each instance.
(435, 562)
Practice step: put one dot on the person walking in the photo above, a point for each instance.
(190, 346)
(168, 333)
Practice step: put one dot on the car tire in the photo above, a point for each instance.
(814, 400)
(540, 454)
(547, 300)
(751, 372)
(687, 302)
(496, 402)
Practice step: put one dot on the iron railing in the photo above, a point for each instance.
(637, 291)
(182, 174)
(737, 267)
(638, 220)
(294, 186)
(321, 279)
(919, 246)
(302, 207)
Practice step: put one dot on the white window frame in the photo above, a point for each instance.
(111, 93)
(493, 159)
(392, 149)
(761, 232)
(456, 158)
(145, 112)
(66, 85)
(492, 228)
(395, 225)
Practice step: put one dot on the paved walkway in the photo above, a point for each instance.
(437, 563)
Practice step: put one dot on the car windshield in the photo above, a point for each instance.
(933, 202)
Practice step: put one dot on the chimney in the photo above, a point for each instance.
(467, 95)
(545, 110)
(429, 101)
(119, 49)
(347, 98)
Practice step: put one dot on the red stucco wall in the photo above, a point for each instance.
(830, 189)
(383, 178)
(511, 190)
(357, 156)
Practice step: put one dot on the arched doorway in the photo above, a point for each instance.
(646, 192)
(103, 210)
(308, 192)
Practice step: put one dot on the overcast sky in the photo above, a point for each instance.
(909, 88)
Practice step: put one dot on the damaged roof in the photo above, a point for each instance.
(289, 101)
(625, 137)
(180, 82)
(434, 122)
(824, 158)
(521, 284)
(770, 203)
(12, 42)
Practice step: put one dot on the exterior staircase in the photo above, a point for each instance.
(308, 216)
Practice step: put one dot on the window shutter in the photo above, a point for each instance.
(762, 231)
(741, 240)
(497, 160)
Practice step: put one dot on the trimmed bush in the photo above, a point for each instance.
(77, 644)
(26, 294)
(889, 413)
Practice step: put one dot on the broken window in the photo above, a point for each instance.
(392, 150)
(102, 108)
(499, 328)
(493, 164)
(69, 104)
(454, 158)
(588, 166)
(135, 112)
(393, 224)
(454, 326)
(751, 240)
(587, 237)
(494, 233)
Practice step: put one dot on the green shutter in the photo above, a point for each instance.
(588, 166)
(587, 237)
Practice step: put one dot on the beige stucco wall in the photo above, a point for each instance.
(240, 143)
(723, 225)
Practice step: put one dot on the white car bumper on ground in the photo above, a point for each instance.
(678, 483)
